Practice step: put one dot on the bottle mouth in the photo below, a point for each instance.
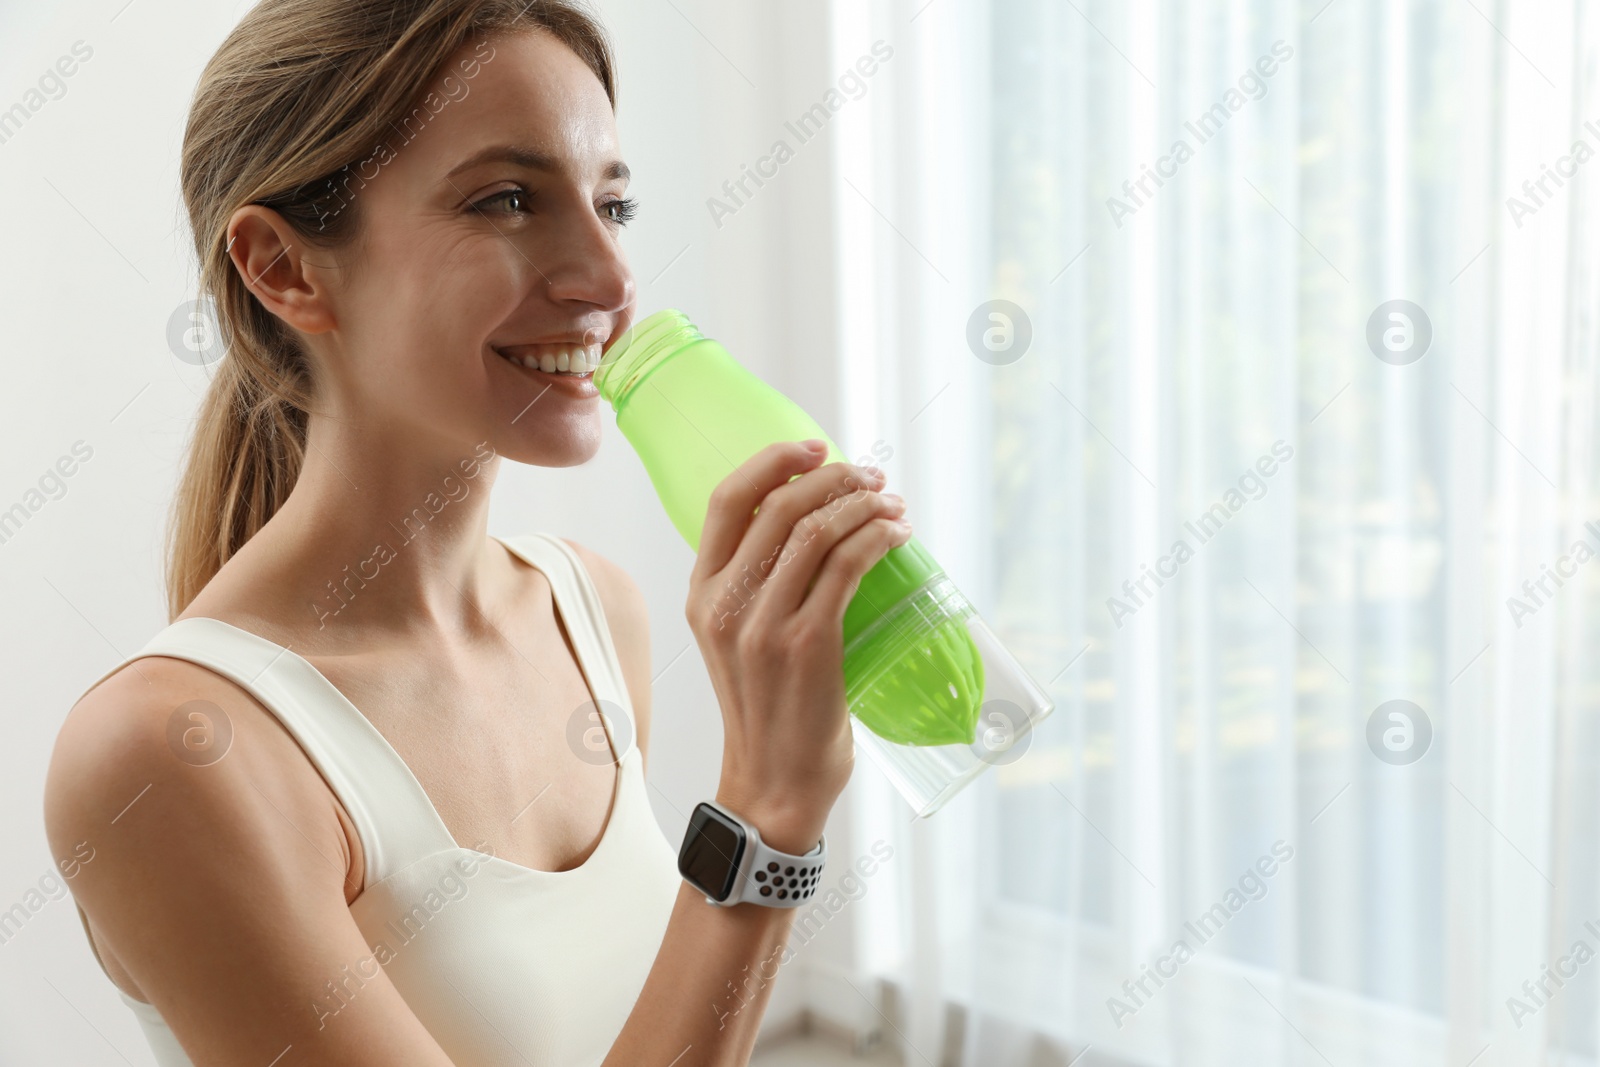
(639, 351)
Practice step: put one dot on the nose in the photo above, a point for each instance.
(589, 267)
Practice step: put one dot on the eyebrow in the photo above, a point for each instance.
(531, 159)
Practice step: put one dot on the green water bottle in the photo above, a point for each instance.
(921, 668)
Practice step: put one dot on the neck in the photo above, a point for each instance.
(384, 530)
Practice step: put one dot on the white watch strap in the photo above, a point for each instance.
(776, 879)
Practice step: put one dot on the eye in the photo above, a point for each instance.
(620, 211)
(514, 201)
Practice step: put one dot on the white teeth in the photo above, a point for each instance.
(562, 359)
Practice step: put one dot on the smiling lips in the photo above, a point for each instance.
(560, 357)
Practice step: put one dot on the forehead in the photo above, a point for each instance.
(523, 88)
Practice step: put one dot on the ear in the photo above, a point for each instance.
(268, 253)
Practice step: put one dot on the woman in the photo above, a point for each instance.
(407, 214)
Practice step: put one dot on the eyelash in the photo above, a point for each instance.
(624, 208)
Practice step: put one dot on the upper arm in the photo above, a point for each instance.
(220, 887)
(628, 617)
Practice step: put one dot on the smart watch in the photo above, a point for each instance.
(724, 857)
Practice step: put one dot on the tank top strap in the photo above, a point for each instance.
(397, 823)
(578, 602)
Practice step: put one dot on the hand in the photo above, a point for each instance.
(766, 604)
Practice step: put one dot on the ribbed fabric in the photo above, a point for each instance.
(520, 968)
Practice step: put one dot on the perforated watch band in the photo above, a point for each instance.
(778, 879)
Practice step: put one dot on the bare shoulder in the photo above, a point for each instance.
(628, 617)
(208, 857)
(163, 744)
(114, 744)
(615, 584)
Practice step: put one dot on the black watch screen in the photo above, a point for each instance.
(712, 849)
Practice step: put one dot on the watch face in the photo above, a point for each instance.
(712, 849)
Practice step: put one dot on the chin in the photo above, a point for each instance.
(568, 443)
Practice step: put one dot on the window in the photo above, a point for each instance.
(1305, 399)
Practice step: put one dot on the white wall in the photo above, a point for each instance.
(97, 259)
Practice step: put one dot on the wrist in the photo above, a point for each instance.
(794, 827)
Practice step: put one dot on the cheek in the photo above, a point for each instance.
(429, 305)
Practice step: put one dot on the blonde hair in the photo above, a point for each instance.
(301, 91)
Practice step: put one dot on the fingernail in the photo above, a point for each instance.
(815, 444)
(895, 499)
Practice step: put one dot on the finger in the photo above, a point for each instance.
(846, 563)
(789, 505)
(814, 537)
(733, 502)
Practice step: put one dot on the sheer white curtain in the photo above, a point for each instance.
(1214, 364)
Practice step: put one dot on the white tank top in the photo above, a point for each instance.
(506, 966)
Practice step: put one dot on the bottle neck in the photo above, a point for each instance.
(647, 344)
